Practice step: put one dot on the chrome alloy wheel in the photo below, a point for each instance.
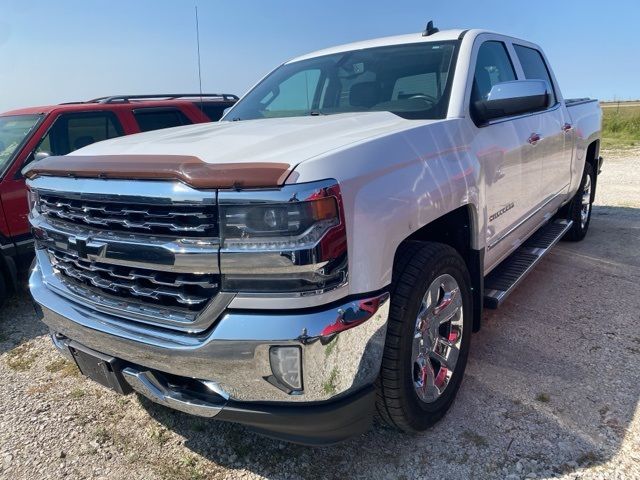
(586, 201)
(437, 338)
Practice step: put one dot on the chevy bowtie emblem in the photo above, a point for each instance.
(85, 246)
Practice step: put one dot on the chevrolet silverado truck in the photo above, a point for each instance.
(32, 133)
(323, 254)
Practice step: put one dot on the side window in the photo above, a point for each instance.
(213, 110)
(534, 67)
(87, 129)
(156, 118)
(295, 94)
(492, 66)
(45, 144)
(73, 131)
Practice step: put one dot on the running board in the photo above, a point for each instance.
(505, 277)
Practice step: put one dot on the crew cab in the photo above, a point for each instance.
(36, 132)
(325, 251)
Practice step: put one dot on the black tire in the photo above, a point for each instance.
(417, 266)
(3, 289)
(579, 228)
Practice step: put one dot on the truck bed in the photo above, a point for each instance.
(571, 102)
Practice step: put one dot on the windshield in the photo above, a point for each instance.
(412, 81)
(14, 129)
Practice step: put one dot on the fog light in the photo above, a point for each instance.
(286, 365)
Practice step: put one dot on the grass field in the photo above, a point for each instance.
(620, 125)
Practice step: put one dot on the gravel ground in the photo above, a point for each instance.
(551, 389)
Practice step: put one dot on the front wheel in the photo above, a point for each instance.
(428, 336)
(580, 206)
(3, 289)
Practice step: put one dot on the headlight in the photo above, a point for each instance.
(271, 226)
(288, 240)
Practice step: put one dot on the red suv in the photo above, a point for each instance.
(30, 133)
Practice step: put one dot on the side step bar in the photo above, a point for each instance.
(505, 277)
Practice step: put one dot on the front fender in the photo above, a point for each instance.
(394, 185)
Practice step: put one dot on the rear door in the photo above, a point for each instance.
(552, 126)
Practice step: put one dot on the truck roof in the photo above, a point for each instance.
(443, 35)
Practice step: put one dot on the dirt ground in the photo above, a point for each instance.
(551, 390)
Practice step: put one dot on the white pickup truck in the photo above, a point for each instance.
(325, 252)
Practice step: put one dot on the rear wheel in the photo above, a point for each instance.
(428, 336)
(580, 206)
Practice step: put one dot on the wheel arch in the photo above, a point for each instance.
(592, 158)
(458, 229)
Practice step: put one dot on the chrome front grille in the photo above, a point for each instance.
(142, 251)
(191, 291)
(185, 220)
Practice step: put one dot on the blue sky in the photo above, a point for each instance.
(69, 50)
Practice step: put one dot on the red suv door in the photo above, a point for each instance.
(68, 132)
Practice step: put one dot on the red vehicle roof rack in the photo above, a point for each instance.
(163, 96)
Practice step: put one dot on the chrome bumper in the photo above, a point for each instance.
(340, 355)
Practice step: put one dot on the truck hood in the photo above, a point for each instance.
(279, 140)
(247, 154)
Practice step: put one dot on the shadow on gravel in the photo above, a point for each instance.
(18, 322)
(551, 386)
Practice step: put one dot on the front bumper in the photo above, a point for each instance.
(338, 358)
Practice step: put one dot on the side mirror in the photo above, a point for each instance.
(512, 98)
(41, 156)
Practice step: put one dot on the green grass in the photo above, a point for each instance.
(77, 393)
(159, 435)
(543, 398)
(620, 126)
(474, 438)
(21, 358)
(64, 367)
(330, 384)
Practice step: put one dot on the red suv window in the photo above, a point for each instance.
(72, 131)
(155, 118)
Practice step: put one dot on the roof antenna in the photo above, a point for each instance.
(199, 67)
(430, 30)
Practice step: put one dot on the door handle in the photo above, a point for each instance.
(567, 127)
(534, 138)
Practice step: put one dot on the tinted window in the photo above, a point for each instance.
(73, 131)
(408, 80)
(534, 67)
(492, 66)
(155, 119)
(213, 110)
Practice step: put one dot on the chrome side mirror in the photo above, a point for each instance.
(512, 98)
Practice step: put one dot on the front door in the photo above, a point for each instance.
(511, 170)
(68, 132)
